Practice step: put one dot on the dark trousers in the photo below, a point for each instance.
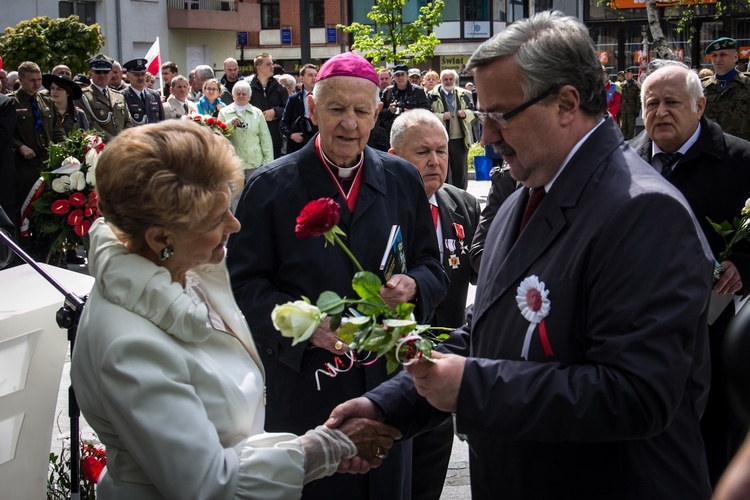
(431, 455)
(457, 165)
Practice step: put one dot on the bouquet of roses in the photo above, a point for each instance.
(374, 327)
(63, 203)
(216, 125)
(93, 459)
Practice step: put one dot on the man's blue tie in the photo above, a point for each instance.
(668, 162)
(37, 114)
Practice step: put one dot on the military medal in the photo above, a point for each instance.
(452, 259)
(532, 300)
(460, 235)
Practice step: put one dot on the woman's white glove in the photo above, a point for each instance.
(324, 449)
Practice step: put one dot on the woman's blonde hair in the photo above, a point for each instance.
(166, 174)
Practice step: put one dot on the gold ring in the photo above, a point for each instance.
(379, 454)
(338, 346)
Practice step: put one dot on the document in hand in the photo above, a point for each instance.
(394, 258)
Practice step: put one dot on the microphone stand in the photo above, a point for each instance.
(67, 318)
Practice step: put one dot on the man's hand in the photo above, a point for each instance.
(324, 338)
(27, 152)
(440, 381)
(269, 114)
(461, 113)
(447, 115)
(358, 407)
(296, 137)
(730, 281)
(372, 438)
(400, 288)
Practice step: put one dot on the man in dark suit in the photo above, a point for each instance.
(269, 265)
(420, 137)
(8, 186)
(269, 96)
(712, 169)
(583, 369)
(144, 104)
(295, 122)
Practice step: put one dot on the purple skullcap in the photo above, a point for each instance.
(348, 64)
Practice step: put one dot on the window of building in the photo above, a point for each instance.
(317, 14)
(476, 10)
(86, 11)
(270, 18)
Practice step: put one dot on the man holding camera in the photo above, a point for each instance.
(455, 107)
(295, 123)
(399, 97)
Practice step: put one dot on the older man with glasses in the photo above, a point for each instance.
(583, 369)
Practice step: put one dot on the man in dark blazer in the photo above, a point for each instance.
(144, 104)
(269, 96)
(420, 137)
(269, 265)
(583, 369)
(712, 170)
(295, 123)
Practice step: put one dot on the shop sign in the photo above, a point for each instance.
(457, 63)
(641, 4)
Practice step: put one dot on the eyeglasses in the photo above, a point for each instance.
(102, 71)
(209, 89)
(502, 118)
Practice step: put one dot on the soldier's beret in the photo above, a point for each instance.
(721, 44)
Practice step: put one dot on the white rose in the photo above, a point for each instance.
(746, 210)
(61, 184)
(77, 181)
(296, 320)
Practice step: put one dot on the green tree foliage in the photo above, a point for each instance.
(49, 42)
(390, 40)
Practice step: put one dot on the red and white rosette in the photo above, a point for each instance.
(532, 300)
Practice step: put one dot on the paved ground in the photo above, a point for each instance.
(457, 478)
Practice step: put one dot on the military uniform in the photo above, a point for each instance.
(38, 139)
(143, 111)
(106, 113)
(630, 104)
(730, 106)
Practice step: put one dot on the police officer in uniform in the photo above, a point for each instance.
(728, 91)
(144, 103)
(105, 108)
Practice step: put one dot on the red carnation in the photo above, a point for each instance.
(210, 120)
(75, 217)
(82, 228)
(92, 468)
(318, 217)
(222, 125)
(60, 207)
(77, 199)
(197, 118)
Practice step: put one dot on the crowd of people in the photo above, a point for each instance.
(590, 364)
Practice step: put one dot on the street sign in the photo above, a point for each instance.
(286, 36)
(331, 35)
(242, 38)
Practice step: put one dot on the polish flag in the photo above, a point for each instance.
(153, 56)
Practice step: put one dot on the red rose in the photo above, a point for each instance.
(77, 199)
(75, 217)
(318, 217)
(60, 207)
(82, 228)
(92, 468)
(222, 125)
(211, 120)
(197, 118)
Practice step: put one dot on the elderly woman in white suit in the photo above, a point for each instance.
(251, 138)
(164, 366)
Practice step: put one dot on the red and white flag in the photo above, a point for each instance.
(153, 56)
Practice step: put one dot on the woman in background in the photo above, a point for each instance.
(63, 91)
(209, 103)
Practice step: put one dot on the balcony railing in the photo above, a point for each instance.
(215, 5)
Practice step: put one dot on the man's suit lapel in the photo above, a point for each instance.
(517, 254)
